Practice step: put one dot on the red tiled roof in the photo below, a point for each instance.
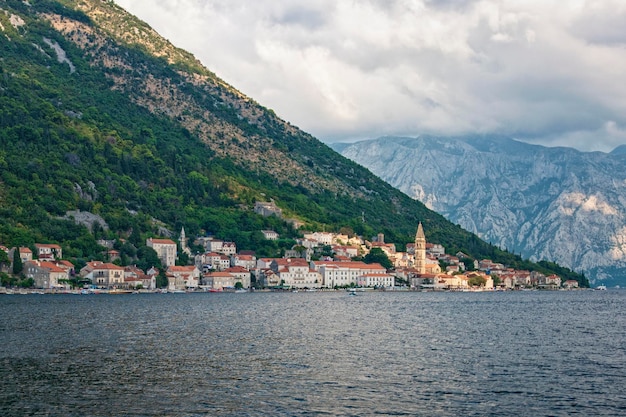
(163, 241)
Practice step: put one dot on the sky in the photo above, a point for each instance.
(551, 72)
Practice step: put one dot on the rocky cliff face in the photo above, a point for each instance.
(554, 204)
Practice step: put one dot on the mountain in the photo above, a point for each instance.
(556, 204)
(109, 131)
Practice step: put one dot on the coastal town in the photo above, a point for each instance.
(318, 261)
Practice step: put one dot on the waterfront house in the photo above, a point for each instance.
(46, 274)
(218, 281)
(107, 275)
(240, 274)
(183, 277)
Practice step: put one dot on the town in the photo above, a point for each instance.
(318, 261)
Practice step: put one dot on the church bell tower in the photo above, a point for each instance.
(420, 250)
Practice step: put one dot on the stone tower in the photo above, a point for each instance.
(420, 250)
(183, 242)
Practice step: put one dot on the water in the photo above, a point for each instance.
(431, 354)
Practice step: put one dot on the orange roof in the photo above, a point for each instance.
(218, 274)
(351, 264)
(181, 268)
(163, 241)
(47, 245)
(51, 267)
(108, 266)
(236, 269)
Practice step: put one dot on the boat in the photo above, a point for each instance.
(601, 288)
(352, 292)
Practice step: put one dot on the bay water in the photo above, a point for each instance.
(525, 353)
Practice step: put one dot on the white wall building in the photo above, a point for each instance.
(165, 249)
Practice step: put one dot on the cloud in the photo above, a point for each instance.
(544, 71)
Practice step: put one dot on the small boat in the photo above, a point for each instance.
(601, 288)
(352, 292)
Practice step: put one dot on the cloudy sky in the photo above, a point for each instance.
(545, 71)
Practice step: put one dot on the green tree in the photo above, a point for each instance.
(18, 266)
(148, 258)
(4, 259)
(477, 281)
(377, 255)
(161, 279)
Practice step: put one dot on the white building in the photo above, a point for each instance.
(345, 273)
(165, 249)
(296, 273)
(376, 280)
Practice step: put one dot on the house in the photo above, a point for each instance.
(134, 277)
(86, 270)
(244, 261)
(228, 248)
(268, 278)
(107, 275)
(113, 255)
(240, 274)
(184, 277)
(165, 249)
(46, 274)
(570, 283)
(25, 254)
(451, 282)
(554, 280)
(269, 234)
(322, 238)
(48, 252)
(435, 250)
(67, 266)
(218, 280)
(212, 261)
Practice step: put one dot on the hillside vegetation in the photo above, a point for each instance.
(98, 113)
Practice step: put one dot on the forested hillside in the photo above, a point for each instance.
(100, 114)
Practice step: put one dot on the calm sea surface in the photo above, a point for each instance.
(267, 354)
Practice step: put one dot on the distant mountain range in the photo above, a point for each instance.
(555, 204)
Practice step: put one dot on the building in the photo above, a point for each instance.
(296, 273)
(245, 261)
(183, 277)
(46, 274)
(376, 280)
(269, 234)
(267, 209)
(48, 252)
(134, 277)
(212, 261)
(345, 273)
(218, 281)
(240, 274)
(107, 275)
(182, 240)
(420, 250)
(165, 249)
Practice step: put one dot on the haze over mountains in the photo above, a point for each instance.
(557, 204)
